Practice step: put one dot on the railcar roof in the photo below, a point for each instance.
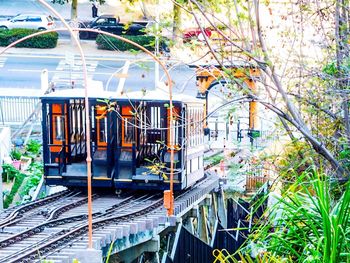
(149, 95)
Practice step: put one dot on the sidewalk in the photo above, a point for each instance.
(67, 47)
(12, 8)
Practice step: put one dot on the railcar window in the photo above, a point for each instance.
(81, 120)
(188, 168)
(175, 132)
(194, 164)
(59, 124)
(174, 140)
(200, 161)
(155, 117)
(128, 129)
(103, 130)
(196, 126)
(143, 125)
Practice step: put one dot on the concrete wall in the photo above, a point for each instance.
(5, 148)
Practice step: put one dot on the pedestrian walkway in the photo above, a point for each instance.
(67, 46)
(12, 8)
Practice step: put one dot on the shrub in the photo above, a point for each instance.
(34, 175)
(305, 224)
(9, 172)
(18, 182)
(15, 154)
(48, 40)
(33, 146)
(110, 43)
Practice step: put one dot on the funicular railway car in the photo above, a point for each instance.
(130, 139)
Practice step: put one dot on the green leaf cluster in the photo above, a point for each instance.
(48, 40)
(35, 173)
(9, 172)
(307, 224)
(19, 177)
(33, 147)
(15, 154)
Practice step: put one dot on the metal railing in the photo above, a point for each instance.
(16, 109)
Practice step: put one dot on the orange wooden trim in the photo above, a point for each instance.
(126, 110)
(127, 113)
(55, 149)
(56, 108)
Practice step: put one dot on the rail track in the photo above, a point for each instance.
(38, 230)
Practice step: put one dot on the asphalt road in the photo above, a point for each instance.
(20, 71)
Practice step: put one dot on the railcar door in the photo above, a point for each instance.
(104, 128)
(126, 149)
(77, 143)
(56, 155)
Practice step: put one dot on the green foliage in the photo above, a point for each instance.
(333, 70)
(306, 224)
(344, 156)
(48, 40)
(15, 154)
(110, 43)
(9, 172)
(35, 173)
(296, 158)
(33, 146)
(330, 69)
(215, 159)
(19, 177)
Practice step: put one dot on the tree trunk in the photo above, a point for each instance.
(177, 22)
(342, 53)
(295, 119)
(144, 10)
(74, 10)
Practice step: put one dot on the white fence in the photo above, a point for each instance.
(15, 109)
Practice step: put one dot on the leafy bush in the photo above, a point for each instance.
(110, 43)
(48, 40)
(9, 172)
(33, 146)
(19, 177)
(306, 224)
(35, 171)
(15, 154)
(216, 159)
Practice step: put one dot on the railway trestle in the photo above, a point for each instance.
(133, 227)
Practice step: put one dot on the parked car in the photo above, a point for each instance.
(111, 24)
(195, 33)
(32, 21)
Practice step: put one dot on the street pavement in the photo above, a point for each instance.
(21, 68)
(14, 7)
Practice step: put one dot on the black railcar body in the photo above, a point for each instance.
(130, 139)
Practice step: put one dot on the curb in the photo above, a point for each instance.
(61, 50)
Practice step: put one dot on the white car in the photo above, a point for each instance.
(32, 21)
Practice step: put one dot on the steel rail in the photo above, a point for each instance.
(18, 212)
(43, 249)
(56, 222)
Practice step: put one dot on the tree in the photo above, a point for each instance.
(304, 56)
(74, 6)
(250, 41)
